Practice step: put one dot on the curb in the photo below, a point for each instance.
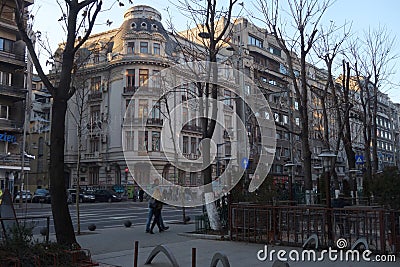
(206, 236)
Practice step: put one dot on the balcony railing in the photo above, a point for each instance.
(13, 160)
(12, 91)
(154, 121)
(14, 58)
(130, 89)
(95, 96)
(191, 156)
(10, 125)
(192, 128)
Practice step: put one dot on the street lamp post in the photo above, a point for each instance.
(327, 157)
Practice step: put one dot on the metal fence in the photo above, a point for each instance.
(293, 225)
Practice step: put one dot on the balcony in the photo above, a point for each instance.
(130, 90)
(190, 156)
(12, 91)
(154, 122)
(11, 125)
(95, 156)
(13, 161)
(192, 128)
(13, 58)
(95, 96)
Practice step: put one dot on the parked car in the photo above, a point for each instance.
(41, 196)
(84, 196)
(26, 196)
(106, 195)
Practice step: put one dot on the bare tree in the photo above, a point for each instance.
(334, 100)
(79, 18)
(305, 16)
(212, 26)
(372, 59)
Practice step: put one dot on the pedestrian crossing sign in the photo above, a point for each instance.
(359, 159)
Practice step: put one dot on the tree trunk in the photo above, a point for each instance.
(61, 216)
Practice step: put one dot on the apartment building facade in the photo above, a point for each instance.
(15, 69)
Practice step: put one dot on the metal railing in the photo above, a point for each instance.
(292, 225)
(40, 225)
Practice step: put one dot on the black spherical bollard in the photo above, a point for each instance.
(44, 231)
(187, 219)
(128, 223)
(91, 227)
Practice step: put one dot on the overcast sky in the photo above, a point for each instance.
(363, 14)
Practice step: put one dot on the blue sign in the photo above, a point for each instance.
(359, 159)
(8, 138)
(245, 163)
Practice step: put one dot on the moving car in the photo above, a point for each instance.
(84, 196)
(41, 196)
(104, 195)
(26, 196)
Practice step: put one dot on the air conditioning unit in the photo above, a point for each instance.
(108, 168)
(96, 154)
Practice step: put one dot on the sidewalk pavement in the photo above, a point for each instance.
(115, 247)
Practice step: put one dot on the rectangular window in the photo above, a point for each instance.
(193, 145)
(6, 45)
(156, 48)
(276, 116)
(287, 136)
(285, 119)
(131, 48)
(143, 108)
(129, 140)
(94, 115)
(296, 105)
(297, 120)
(255, 41)
(185, 149)
(3, 112)
(275, 50)
(130, 108)
(94, 145)
(143, 77)
(95, 83)
(94, 175)
(130, 78)
(156, 79)
(155, 141)
(144, 47)
(228, 149)
(228, 98)
(228, 121)
(143, 141)
(155, 111)
(5, 78)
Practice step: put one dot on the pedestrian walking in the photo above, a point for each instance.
(141, 193)
(156, 205)
(151, 211)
